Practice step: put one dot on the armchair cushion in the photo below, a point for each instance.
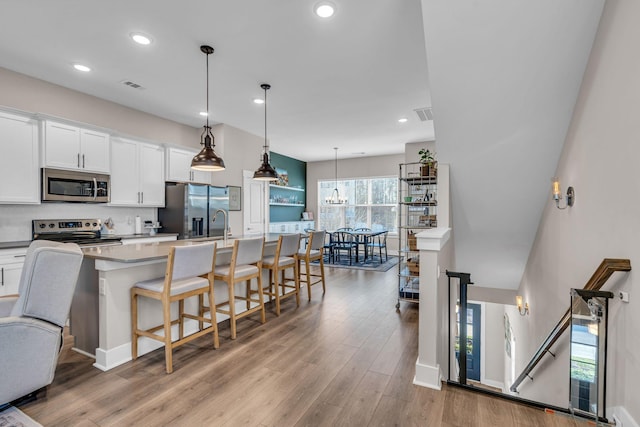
(48, 281)
(29, 354)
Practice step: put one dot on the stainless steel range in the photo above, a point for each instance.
(84, 232)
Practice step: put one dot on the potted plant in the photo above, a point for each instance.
(428, 160)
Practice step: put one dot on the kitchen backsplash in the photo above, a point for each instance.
(15, 220)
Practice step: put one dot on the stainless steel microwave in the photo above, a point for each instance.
(70, 186)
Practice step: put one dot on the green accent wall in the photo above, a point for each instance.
(297, 178)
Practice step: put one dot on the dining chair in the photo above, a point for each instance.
(313, 252)
(245, 265)
(379, 241)
(328, 247)
(278, 264)
(344, 241)
(189, 273)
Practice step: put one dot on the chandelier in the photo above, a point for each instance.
(335, 198)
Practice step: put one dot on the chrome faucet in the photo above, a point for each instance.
(226, 223)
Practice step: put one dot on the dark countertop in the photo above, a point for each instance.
(140, 236)
(26, 243)
(15, 245)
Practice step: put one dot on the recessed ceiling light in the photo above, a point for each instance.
(325, 9)
(140, 38)
(204, 113)
(81, 67)
(258, 101)
(403, 120)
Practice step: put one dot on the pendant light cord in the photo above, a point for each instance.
(336, 167)
(266, 146)
(207, 91)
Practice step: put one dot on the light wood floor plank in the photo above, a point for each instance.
(344, 358)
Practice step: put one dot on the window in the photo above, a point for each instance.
(371, 203)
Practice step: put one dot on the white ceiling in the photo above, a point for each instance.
(341, 82)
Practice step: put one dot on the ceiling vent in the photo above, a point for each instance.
(425, 114)
(132, 84)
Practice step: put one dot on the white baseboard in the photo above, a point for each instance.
(623, 418)
(109, 359)
(428, 376)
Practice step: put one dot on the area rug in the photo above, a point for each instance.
(14, 417)
(370, 266)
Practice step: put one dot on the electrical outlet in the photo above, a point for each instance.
(102, 287)
(617, 421)
(624, 296)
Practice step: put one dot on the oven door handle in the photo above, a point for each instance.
(95, 188)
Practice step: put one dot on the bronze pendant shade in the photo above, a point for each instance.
(265, 172)
(207, 159)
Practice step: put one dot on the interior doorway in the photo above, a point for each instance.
(255, 217)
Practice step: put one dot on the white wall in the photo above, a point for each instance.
(36, 96)
(600, 159)
(504, 78)
(492, 345)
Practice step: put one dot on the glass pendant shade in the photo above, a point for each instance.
(207, 159)
(265, 172)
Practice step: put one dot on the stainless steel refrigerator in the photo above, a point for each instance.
(190, 208)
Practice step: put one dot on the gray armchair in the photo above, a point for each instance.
(31, 323)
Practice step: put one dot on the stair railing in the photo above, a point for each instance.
(607, 267)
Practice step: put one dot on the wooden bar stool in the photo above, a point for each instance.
(189, 273)
(285, 258)
(314, 252)
(246, 264)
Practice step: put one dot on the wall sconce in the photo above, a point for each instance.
(557, 196)
(523, 309)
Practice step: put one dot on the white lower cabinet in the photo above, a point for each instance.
(290, 226)
(11, 263)
(19, 169)
(137, 173)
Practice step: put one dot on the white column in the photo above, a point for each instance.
(431, 244)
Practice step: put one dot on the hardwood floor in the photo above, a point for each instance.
(343, 359)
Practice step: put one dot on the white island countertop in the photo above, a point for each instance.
(142, 252)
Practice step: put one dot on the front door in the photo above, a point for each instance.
(473, 341)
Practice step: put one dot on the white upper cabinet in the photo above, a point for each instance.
(137, 173)
(179, 167)
(151, 174)
(19, 170)
(71, 147)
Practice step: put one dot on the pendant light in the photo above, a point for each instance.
(265, 172)
(335, 198)
(207, 159)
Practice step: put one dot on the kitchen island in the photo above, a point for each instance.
(102, 328)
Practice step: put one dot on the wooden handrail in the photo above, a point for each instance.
(607, 267)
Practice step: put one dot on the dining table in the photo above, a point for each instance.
(361, 238)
